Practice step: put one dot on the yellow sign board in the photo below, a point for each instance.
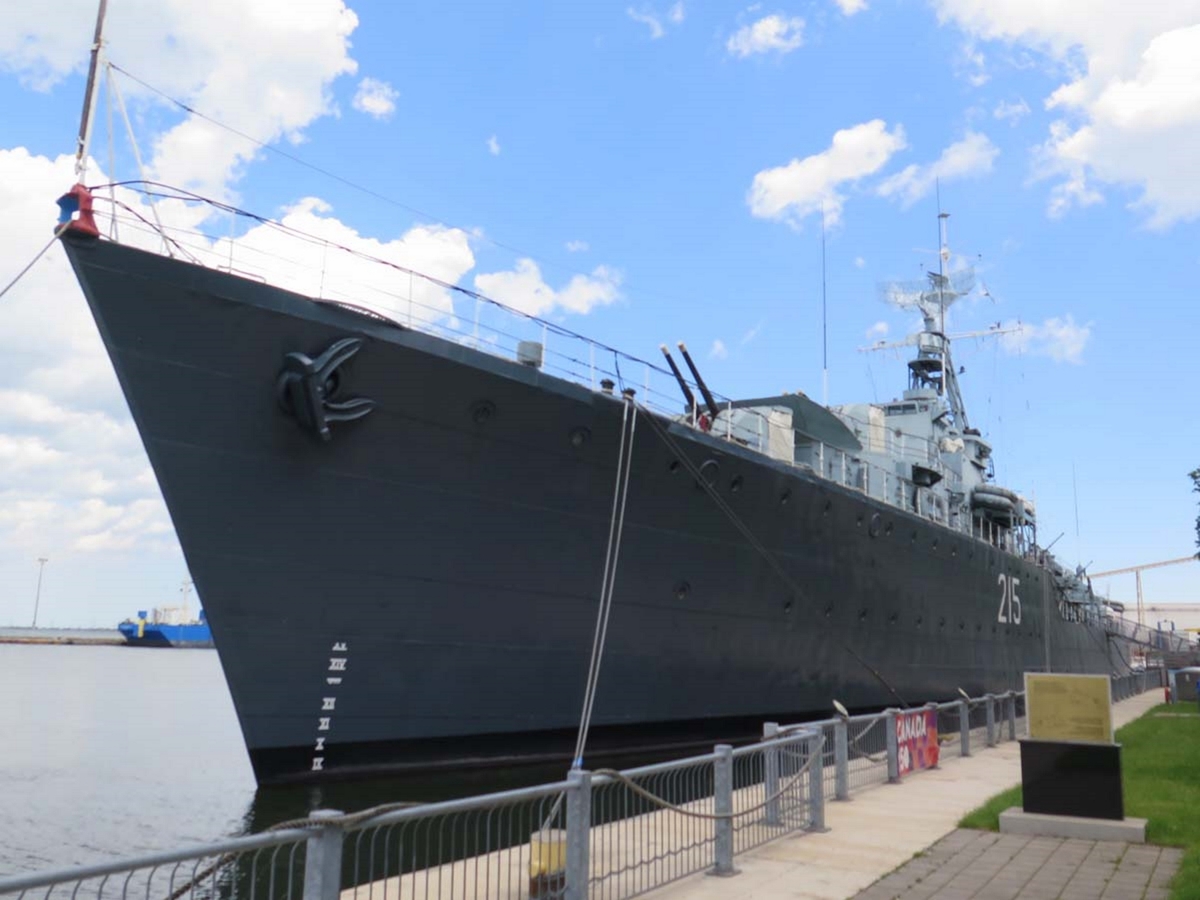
(1069, 707)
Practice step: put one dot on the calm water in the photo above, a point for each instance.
(112, 751)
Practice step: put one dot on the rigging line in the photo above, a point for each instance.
(665, 436)
(615, 527)
(161, 233)
(137, 154)
(327, 173)
(54, 237)
(181, 194)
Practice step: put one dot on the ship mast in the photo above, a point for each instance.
(89, 96)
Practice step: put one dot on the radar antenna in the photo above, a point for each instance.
(933, 367)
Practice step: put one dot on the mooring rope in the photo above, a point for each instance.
(612, 554)
(50, 243)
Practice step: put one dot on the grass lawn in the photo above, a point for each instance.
(1160, 767)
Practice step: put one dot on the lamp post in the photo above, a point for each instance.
(37, 598)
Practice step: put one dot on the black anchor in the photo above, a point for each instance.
(306, 387)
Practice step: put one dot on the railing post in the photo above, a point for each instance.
(964, 726)
(723, 806)
(1012, 716)
(990, 701)
(841, 759)
(579, 828)
(816, 779)
(893, 747)
(771, 774)
(323, 858)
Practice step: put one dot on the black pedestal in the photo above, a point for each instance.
(1066, 779)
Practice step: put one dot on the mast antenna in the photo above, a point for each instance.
(943, 259)
(89, 96)
(824, 328)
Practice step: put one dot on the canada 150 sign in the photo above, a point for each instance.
(916, 740)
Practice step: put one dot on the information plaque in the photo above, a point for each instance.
(1072, 708)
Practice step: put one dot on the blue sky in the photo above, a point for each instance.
(664, 167)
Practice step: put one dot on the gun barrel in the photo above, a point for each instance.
(683, 385)
(704, 391)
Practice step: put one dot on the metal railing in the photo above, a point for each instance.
(604, 835)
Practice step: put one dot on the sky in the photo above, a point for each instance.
(645, 174)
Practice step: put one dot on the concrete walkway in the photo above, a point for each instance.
(876, 831)
(984, 864)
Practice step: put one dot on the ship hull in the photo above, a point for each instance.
(165, 635)
(422, 588)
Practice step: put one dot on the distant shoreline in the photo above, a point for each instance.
(103, 636)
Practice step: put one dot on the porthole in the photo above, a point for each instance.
(829, 611)
(785, 497)
(828, 506)
(862, 615)
(482, 411)
(736, 484)
(787, 607)
(887, 529)
(673, 466)
(893, 618)
(580, 436)
(682, 590)
(858, 520)
(935, 543)
(709, 470)
(873, 528)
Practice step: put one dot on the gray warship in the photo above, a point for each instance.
(402, 532)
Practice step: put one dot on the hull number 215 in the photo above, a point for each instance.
(1010, 603)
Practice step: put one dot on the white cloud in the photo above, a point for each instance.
(493, 146)
(973, 155)
(577, 246)
(718, 350)
(263, 67)
(803, 186)
(772, 33)
(972, 65)
(650, 20)
(1130, 102)
(375, 98)
(655, 20)
(850, 7)
(74, 478)
(751, 334)
(878, 331)
(435, 250)
(523, 289)
(1061, 339)
(1011, 112)
(859, 262)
